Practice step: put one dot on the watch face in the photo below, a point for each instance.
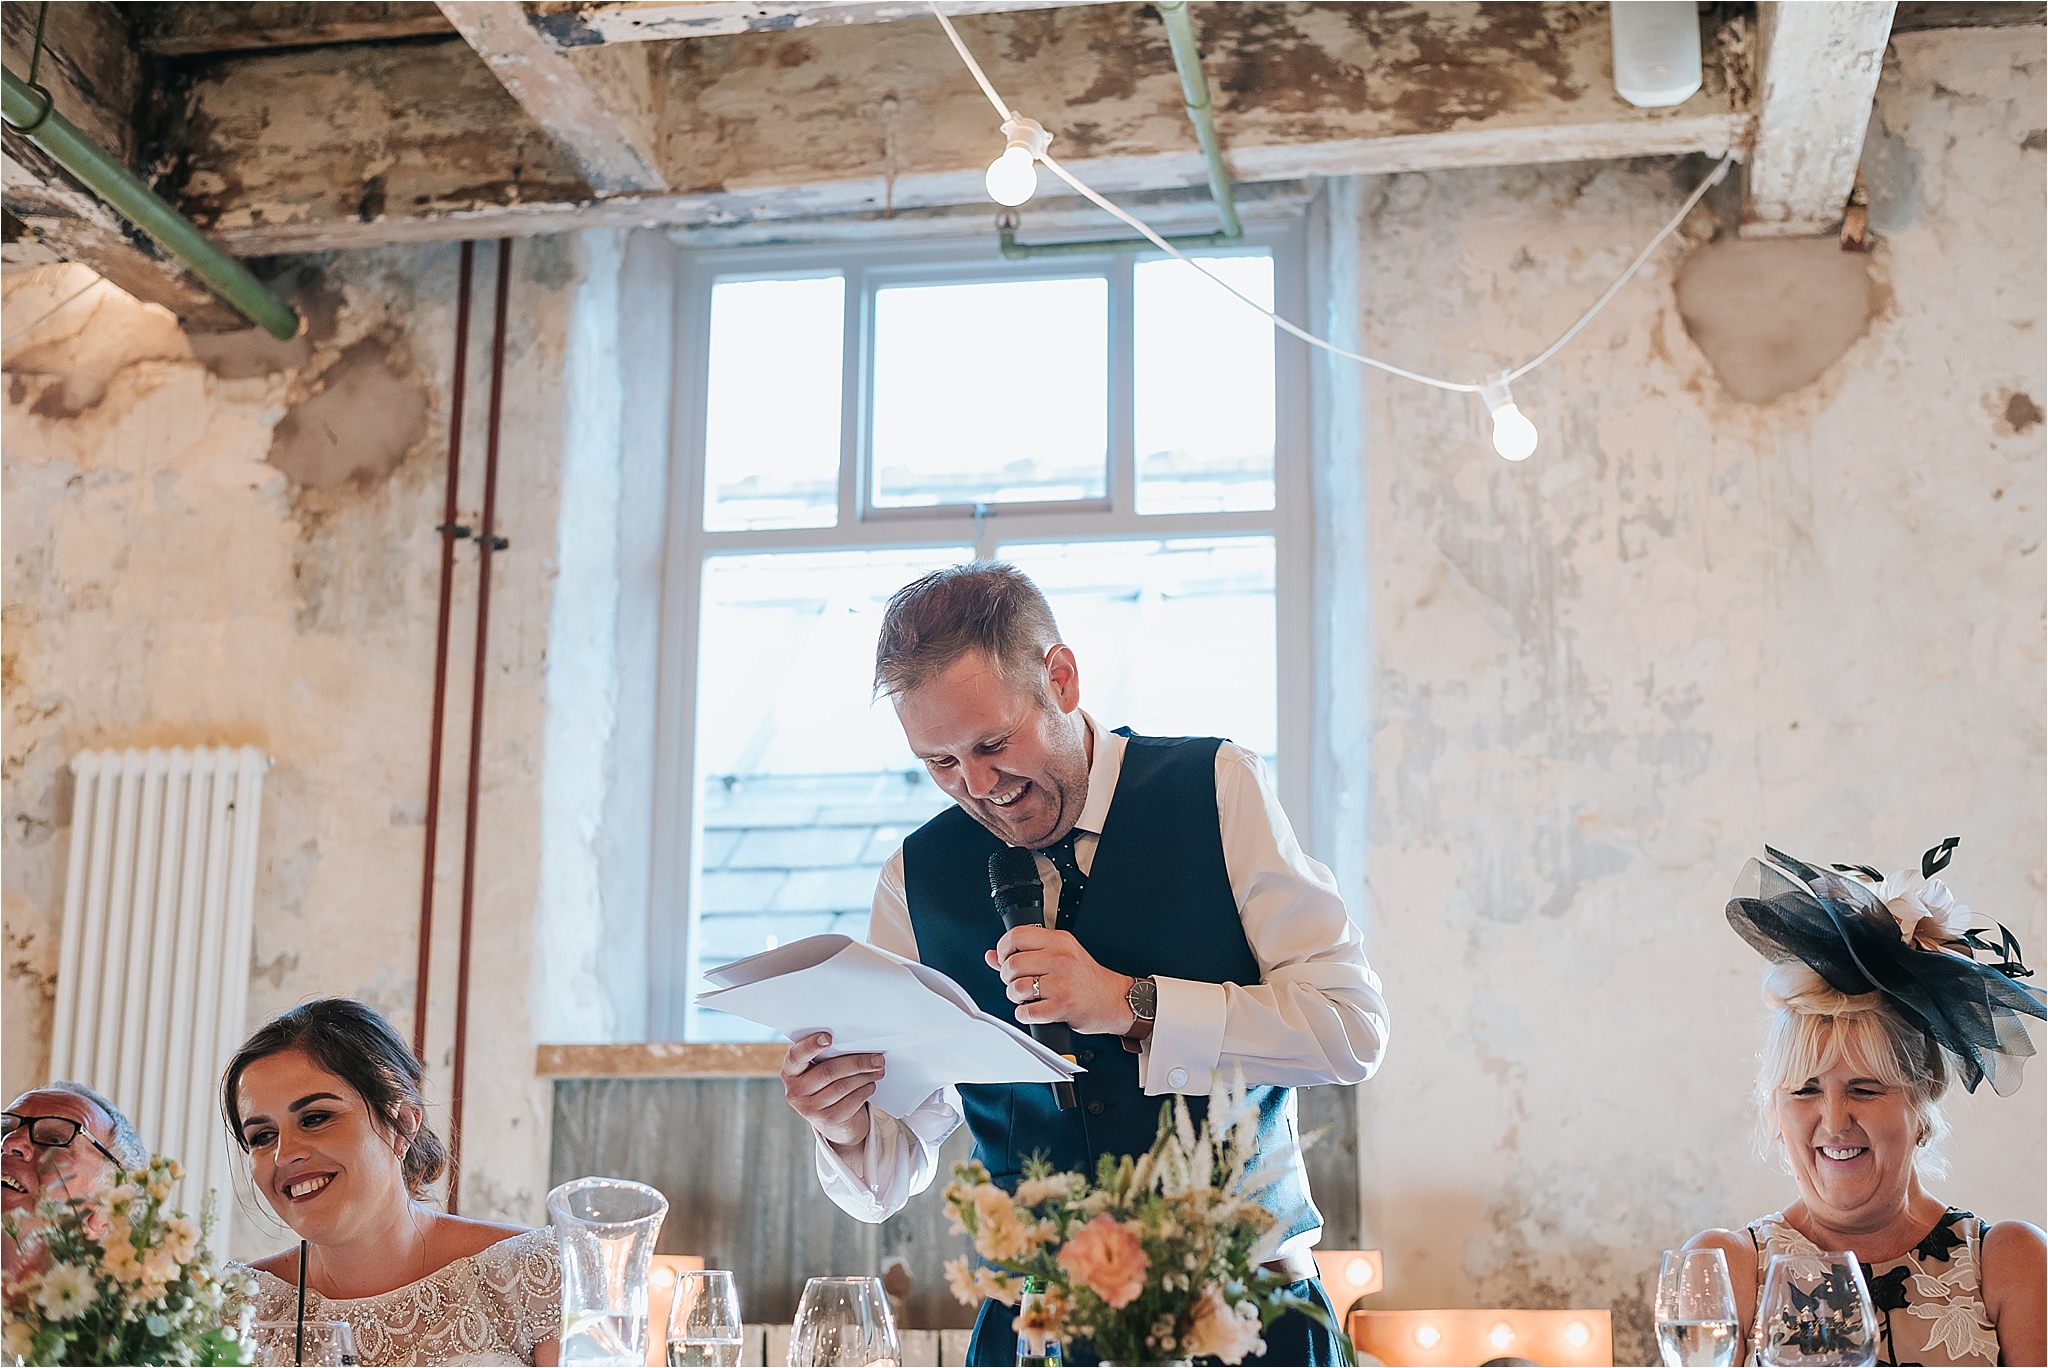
(1144, 999)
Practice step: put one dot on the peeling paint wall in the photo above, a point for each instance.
(238, 545)
(1690, 625)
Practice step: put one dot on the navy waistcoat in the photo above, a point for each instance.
(1158, 903)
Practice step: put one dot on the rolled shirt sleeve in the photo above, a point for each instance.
(872, 1182)
(1317, 1015)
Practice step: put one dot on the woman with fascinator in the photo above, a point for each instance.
(1877, 999)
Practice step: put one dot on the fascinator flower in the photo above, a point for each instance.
(1905, 937)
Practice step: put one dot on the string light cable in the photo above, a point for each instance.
(1514, 435)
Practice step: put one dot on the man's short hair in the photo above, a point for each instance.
(985, 606)
(126, 1145)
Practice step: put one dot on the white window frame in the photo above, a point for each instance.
(866, 267)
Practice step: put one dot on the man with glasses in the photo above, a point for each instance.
(61, 1142)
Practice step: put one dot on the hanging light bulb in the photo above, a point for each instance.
(1013, 177)
(1514, 436)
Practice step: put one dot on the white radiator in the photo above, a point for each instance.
(153, 974)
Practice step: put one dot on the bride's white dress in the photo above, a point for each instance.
(490, 1308)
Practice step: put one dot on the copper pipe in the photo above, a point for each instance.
(487, 543)
(449, 533)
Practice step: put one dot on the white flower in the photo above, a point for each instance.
(1216, 1329)
(66, 1292)
(1927, 913)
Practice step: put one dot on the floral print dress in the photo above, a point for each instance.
(1930, 1307)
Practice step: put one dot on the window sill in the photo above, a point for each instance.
(659, 1059)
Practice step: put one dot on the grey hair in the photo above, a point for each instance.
(126, 1145)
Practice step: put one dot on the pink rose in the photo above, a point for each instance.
(1218, 1330)
(1106, 1257)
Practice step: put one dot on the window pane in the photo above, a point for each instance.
(1204, 402)
(991, 393)
(1174, 638)
(771, 422)
(808, 787)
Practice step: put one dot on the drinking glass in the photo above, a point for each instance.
(704, 1321)
(328, 1342)
(1816, 1310)
(1695, 1310)
(844, 1323)
(605, 1229)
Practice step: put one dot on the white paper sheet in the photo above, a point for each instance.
(874, 1002)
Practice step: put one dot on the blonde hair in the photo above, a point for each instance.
(1813, 1027)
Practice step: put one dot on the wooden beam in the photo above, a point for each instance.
(577, 23)
(324, 148)
(195, 29)
(95, 81)
(1820, 60)
(615, 156)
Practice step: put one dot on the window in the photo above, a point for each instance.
(1116, 426)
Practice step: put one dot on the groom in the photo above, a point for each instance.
(1187, 934)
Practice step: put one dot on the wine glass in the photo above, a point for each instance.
(1695, 1310)
(704, 1320)
(844, 1323)
(327, 1342)
(1816, 1310)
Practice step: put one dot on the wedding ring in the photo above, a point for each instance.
(1036, 991)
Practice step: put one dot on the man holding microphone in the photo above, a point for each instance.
(1187, 935)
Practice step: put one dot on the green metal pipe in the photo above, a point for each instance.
(1014, 250)
(1187, 59)
(122, 189)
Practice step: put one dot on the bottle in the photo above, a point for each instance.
(1037, 1345)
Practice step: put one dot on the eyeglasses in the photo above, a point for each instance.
(52, 1132)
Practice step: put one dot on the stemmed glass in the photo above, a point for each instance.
(704, 1321)
(1816, 1310)
(844, 1323)
(1695, 1310)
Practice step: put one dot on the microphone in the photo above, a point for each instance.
(1019, 897)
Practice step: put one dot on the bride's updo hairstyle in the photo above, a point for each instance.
(1813, 1027)
(352, 1042)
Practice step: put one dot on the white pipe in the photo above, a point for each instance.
(113, 966)
(135, 1009)
(154, 1052)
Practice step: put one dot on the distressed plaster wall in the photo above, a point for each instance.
(239, 546)
(1690, 625)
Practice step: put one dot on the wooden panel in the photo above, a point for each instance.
(737, 1167)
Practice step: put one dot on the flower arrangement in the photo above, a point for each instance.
(1157, 1261)
(122, 1279)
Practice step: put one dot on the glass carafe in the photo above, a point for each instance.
(605, 1228)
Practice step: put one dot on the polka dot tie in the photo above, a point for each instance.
(1073, 883)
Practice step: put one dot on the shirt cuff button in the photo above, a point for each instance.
(1177, 1079)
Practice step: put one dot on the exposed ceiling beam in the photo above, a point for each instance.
(615, 152)
(208, 26)
(579, 23)
(329, 148)
(1820, 62)
(94, 80)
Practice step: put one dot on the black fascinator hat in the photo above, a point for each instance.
(1905, 937)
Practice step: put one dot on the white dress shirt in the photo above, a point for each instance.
(1315, 1016)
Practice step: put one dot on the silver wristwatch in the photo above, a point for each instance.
(1142, 997)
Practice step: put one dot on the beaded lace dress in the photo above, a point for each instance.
(490, 1308)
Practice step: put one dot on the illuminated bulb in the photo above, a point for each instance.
(1013, 177)
(662, 1277)
(1576, 1334)
(1501, 1336)
(1514, 436)
(1428, 1336)
(1358, 1273)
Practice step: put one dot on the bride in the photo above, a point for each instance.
(326, 1100)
